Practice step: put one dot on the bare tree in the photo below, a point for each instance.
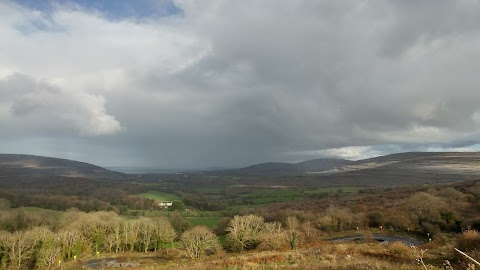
(69, 239)
(424, 207)
(4, 249)
(199, 240)
(130, 234)
(308, 230)
(146, 232)
(20, 248)
(244, 231)
(272, 236)
(163, 233)
(335, 219)
(49, 251)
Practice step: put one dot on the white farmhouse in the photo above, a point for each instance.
(165, 204)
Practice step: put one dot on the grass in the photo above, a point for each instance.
(205, 221)
(241, 195)
(51, 212)
(209, 190)
(160, 196)
(355, 256)
(332, 190)
(271, 195)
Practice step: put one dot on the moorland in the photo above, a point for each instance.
(62, 214)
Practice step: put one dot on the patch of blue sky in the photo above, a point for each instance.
(44, 24)
(41, 21)
(111, 9)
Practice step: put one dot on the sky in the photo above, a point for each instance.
(211, 83)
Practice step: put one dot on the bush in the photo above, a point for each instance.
(375, 219)
(273, 237)
(221, 227)
(399, 249)
(198, 241)
(335, 219)
(177, 206)
(469, 241)
(244, 232)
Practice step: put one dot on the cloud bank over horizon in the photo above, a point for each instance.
(192, 84)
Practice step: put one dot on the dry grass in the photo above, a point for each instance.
(469, 242)
(352, 256)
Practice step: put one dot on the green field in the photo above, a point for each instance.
(160, 196)
(209, 190)
(332, 190)
(272, 195)
(51, 212)
(205, 221)
(242, 195)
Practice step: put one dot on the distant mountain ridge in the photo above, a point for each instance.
(282, 168)
(18, 164)
(389, 170)
(452, 163)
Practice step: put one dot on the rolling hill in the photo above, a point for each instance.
(390, 170)
(13, 165)
(281, 168)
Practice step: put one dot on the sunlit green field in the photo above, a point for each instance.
(235, 196)
(271, 195)
(160, 196)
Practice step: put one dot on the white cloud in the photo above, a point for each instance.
(36, 103)
(67, 63)
(349, 152)
(236, 82)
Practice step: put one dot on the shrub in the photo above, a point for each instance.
(469, 241)
(244, 232)
(177, 206)
(221, 227)
(198, 241)
(336, 219)
(273, 237)
(375, 219)
(293, 233)
(399, 249)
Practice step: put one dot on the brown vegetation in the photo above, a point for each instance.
(198, 241)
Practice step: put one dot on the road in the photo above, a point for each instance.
(389, 238)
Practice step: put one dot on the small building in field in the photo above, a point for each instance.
(165, 204)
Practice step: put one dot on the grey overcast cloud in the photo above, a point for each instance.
(194, 84)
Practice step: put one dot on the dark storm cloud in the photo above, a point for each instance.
(227, 83)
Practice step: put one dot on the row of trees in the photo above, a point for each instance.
(78, 233)
(93, 233)
(85, 203)
(82, 233)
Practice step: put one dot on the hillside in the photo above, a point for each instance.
(281, 168)
(405, 169)
(60, 184)
(13, 165)
(391, 170)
